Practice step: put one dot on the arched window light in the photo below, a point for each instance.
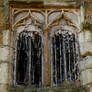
(29, 58)
(64, 57)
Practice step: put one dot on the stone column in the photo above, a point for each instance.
(4, 62)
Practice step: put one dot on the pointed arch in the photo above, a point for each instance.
(64, 63)
(29, 58)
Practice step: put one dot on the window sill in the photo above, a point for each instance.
(35, 89)
(29, 89)
(64, 88)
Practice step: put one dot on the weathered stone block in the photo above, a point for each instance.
(86, 70)
(85, 36)
(3, 88)
(1, 17)
(81, 37)
(3, 73)
(4, 54)
(86, 63)
(86, 76)
(88, 36)
(6, 35)
(85, 47)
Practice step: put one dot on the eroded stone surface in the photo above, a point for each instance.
(4, 53)
(85, 41)
(85, 36)
(3, 73)
(6, 37)
(3, 88)
(86, 70)
(86, 76)
(86, 63)
(85, 47)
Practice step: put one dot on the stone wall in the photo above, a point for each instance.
(4, 62)
(4, 52)
(85, 42)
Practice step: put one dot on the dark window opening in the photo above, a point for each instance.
(29, 59)
(64, 57)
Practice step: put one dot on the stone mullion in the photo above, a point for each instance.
(47, 68)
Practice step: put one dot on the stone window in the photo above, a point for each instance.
(46, 50)
(29, 58)
(64, 57)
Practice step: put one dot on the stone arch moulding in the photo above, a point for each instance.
(43, 17)
(43, 20)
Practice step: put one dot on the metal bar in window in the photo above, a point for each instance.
(52, 62)
(30, 52)
(60, 59)
(69, 57)
(55, 60)
(42, 62)
(27, 53)
(15, 70)
(64, 53)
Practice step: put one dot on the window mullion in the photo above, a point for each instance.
(30, 60)
(47, 61)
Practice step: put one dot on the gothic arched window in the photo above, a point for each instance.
(29, 58)
(47, 49)
(64, 57)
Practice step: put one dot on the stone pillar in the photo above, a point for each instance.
(4, 62)
(85, 40)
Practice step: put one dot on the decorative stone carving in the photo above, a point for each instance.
(38, 19)
(45, 22)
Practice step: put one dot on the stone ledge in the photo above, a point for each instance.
(70, 88)
(8, 62)
(41, 3)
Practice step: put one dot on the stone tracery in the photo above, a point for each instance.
(50, 21)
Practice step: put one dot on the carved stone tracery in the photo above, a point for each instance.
(37, 19)
(46, 22)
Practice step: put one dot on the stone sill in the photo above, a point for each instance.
(33, 89)
(42, 89)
